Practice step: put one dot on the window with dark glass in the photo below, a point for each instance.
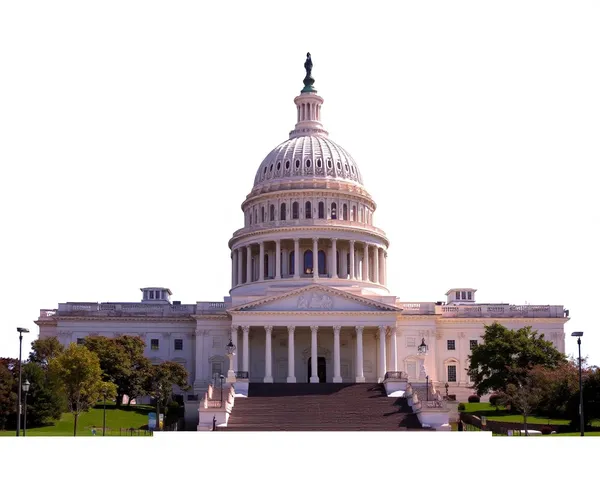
(154, 344)
(292, 263)
(178, 344)
(322, 263)
(307, 210)
(333, 211)
(295, 210)
(80, 341)
(321, 210)
(451, 345)
(283, 211)
(470, 295)
(464, 295)
(308, 261)
(272, 213)
(262, 214)
(458, 295)
(472, 344)
(345, 212)
(452, 373)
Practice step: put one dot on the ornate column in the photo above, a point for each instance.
(296, 258)
(352, 274)
(337, 376)
(376, 264)
(365, 263)
(285, 263)
(246, 349)
(261, 262)
(248, 264)
(334, 272)
(315, 258)
(233, 268)
(277, 259)
(381, 266)
(291, 367)
(382, 366)
(268, 362)
(393, 350)
(240, 265)
(360, 376)
(314, 359)
(234, 339)
(343, 263)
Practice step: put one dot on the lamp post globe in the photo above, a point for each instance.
(26, 386)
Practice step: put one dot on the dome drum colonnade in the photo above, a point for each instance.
(293, 258)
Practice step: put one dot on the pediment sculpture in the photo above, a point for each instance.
(316, 302)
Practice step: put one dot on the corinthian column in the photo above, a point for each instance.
(365, 269)
(246, 352)
(360, 376)
(314, 360)
(393, 350)
(334, 273)
(315, 258)
(291, 367)
(352, 274)
(240, 265)
(268, 363)
(381, 354)
(376, 264)
(337, 376)
(277, 259)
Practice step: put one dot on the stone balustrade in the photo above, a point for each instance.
(125, 309)
(503, 311)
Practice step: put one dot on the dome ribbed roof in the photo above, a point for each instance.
(307, 157)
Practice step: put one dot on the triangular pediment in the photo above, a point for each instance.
(315, 298)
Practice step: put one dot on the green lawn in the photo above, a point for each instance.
(501, 415)
(116, 418)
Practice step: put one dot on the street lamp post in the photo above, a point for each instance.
(581, 423)
(21, 331)
(25, 390)
(230, 353)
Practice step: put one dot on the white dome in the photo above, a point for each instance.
(307, 157)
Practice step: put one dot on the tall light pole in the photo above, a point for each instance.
(21, 331)
(581, 423)
(25, 390)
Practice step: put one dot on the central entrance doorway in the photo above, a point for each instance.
(321, 369)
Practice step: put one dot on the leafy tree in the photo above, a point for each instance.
(44, 400)
(139, 365)
(524, 396)
(8, 391)
(161, 380)
(505, 357)
(113, 360)
(78, 372)
(559, 385)
(43, 350)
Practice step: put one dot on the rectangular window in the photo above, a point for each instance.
(411, 341)
(80, 341)
(452, 373)
(464, 295)
(178, 344)
(472, 344)
(470, 295)
(451, 344)
(154, 344)
(458, 295)
(411, 370)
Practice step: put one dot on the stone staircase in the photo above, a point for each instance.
(320, 407)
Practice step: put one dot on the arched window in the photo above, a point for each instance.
(307, 210)
(292, 264)
(283, 211)
(321, 210)
(295, 211)
(333, 211)
(308, 261)
(322, 263)
(262, 214)
(272, 213)
(352, 214)
(345, 212)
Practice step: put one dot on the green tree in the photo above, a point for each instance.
(80, 377)
(161, 380)
(524, 396)
(45, 403)
(505, 357)
(113, 360)
(139, 367)
(43, 350)
(8, 391)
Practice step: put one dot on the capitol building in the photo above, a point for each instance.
(309, 300)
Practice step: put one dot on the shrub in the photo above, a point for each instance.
(495, 400)
(461, 407)
(474, 399)
(546, 429)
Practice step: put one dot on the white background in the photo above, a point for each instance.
(130, 133)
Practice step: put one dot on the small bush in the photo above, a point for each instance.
(461, 407)
(495, 400)
(546, 429)
(474, 399)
